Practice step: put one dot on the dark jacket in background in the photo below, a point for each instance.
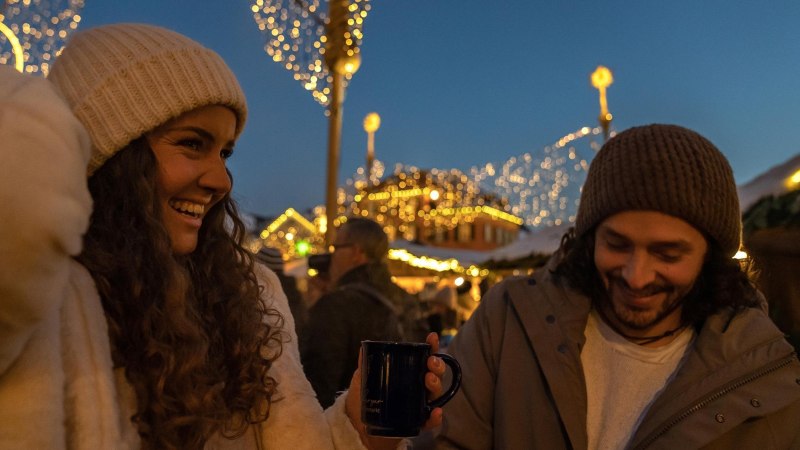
(339, 321)
(296, 303)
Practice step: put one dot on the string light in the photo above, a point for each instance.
(414, 201)
(36, 30)
(294, 32)
(544, 188)
(537, 190)
(437, 265)
(292, 233)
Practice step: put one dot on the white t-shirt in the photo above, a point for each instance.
(622, 379)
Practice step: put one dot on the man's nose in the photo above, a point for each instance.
(638, 271)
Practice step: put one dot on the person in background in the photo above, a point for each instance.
(465, 302)
(642, 331)
(361, 304)
(442, 316)
(272, 258)
(157, 330)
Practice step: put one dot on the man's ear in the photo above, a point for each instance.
(358, 255)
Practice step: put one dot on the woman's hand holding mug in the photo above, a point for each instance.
(396, 406)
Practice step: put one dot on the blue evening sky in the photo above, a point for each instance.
(462, 83)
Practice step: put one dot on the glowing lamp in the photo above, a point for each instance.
(302, 247)
(372, 122)
(348, 64)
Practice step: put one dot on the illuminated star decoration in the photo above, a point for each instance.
(37, 29)
(295, 39)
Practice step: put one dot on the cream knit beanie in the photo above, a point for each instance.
(124, 80)
(663, 168)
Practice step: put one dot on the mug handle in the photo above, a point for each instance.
(455, 367)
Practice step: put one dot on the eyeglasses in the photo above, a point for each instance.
(335, 247)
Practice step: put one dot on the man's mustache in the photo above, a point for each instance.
(650, 289)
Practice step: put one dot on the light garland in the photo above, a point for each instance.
(296, 39)
(538, 191)
(33, 32)
(437, 265)
(290, 239)
(544, 189)
(412, 200)
(289, 213)
(273, 236)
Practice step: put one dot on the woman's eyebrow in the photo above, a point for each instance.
(203, 133)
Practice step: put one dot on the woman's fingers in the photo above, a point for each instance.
(435, 419)
(436, 365)
(433, 341)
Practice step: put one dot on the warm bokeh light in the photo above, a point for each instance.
(372, 122)
(601, 79)
(295, 37)
(538, 189)
(33, 32)
(793, 182)
(19, 56)
(348, 65)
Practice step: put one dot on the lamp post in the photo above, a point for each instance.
(371, 124)
(342, 60)
(322, 52)
(601, 79)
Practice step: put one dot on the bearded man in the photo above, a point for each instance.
(642, 332)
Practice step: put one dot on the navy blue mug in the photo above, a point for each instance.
(393, 394)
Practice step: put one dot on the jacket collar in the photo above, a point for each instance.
(730, 362)
(554, 326)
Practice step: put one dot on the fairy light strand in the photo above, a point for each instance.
(41, 27)
(294, 32)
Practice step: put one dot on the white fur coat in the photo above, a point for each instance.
(57, 385)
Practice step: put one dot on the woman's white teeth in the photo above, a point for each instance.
(192, 209)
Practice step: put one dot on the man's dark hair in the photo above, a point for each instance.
(723, 281)
(368, 235)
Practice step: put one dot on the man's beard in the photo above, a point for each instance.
(633, 318)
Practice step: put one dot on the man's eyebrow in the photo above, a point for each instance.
(611, 232)
(678, 244)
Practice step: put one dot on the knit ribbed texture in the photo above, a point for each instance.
(271, 257)
(124, 80)
(664, 168)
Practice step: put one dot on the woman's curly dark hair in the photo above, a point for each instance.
(723, 281)
(192, 333)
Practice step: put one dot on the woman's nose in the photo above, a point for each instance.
(216, 177)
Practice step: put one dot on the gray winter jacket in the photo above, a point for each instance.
(523, 384)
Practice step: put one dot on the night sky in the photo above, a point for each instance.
(462, 83)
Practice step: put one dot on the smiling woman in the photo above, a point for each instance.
(167, 335)
(191, 152)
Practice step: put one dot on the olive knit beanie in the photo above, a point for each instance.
(124, 80)
(664, 168)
